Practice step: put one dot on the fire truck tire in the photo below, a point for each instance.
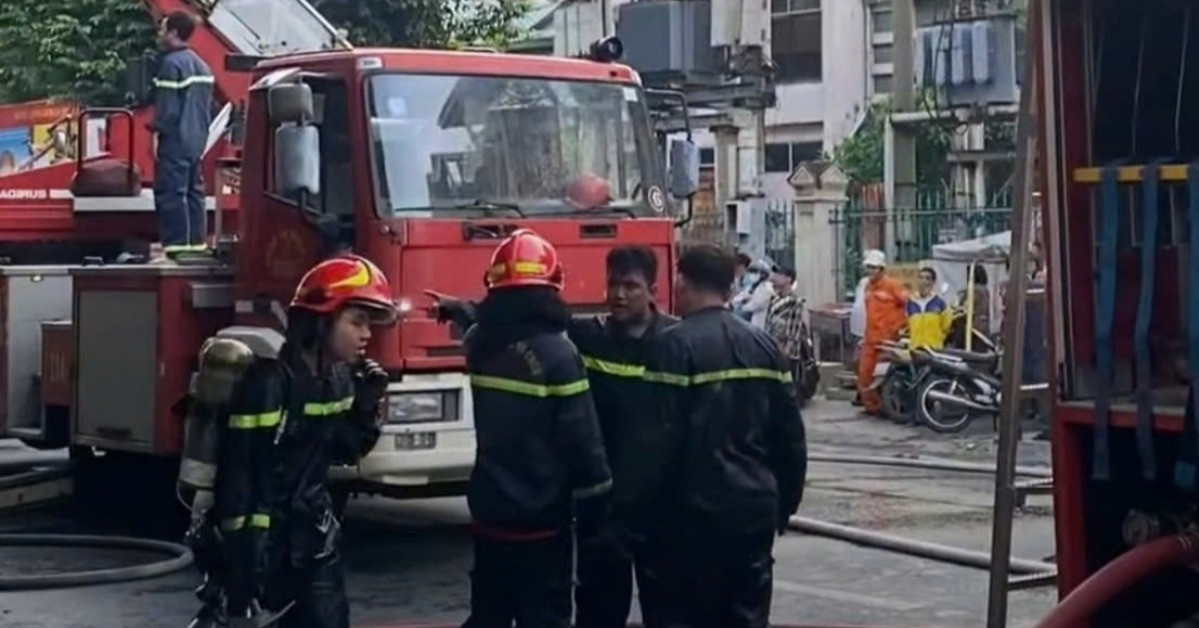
(180, 558)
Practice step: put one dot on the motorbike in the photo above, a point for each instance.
(807, 371)
(960, 385)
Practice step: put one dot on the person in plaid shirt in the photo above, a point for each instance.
(784, 317)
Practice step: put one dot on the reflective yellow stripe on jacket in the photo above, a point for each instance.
(260, 521)
(713, 377)
(518, 387)
(618, 369)
(185, 83)
(272, 419)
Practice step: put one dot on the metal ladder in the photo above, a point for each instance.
(1015, 315)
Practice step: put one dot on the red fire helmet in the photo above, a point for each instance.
(588, 191)
(524, 259)
(346, 280)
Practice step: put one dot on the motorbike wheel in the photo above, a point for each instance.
(897, 402)
(939, 417)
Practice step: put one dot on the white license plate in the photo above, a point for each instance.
(416, 440)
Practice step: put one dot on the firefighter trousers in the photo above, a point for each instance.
(526, 581)
(722, 582)
(179, 202)
(604, 594)
(320, 595)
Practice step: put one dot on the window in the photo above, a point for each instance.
(884, 53)
(331, 117)
(796, 40)
(786, 156)
(882, 84)
(707, 156)
(880, 19)
(442, 141)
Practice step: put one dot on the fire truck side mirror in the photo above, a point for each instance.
(297, 160)
(684, 168)
(139, 80)
(290, 103)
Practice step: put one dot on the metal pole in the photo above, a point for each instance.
(901, 189)
(1013, 334)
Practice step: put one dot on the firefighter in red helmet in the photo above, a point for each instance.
(540, 457)
(316, 403)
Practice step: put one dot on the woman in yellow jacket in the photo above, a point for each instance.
(929, 316)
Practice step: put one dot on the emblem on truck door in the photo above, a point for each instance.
(286, 255)
(656, 198)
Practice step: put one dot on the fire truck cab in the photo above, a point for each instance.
(420, 160)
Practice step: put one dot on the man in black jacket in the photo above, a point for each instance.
(539, 445)
(720, 461)
(614, 348)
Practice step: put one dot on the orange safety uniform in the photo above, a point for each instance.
(886, 315)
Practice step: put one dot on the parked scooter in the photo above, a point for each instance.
(959, 385)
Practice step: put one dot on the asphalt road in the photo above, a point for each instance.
(408, 561)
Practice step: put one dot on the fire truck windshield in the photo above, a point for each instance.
(441, 143)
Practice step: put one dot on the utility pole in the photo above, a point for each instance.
(900, 141)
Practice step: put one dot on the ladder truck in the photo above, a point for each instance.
(1110, 140)
(421, 160)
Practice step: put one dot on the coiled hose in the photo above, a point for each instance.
(180, 556)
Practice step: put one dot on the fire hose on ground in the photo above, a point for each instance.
(181, 556)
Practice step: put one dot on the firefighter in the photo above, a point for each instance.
(319, 403)
(886, 314)
(719, 463)
(614, 349)
(539, 452)
(182, 113)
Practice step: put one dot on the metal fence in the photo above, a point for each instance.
(915, 230)
(779, 238)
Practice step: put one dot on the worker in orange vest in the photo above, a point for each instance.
(886, 314)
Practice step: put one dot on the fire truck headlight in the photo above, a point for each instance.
(432, 406)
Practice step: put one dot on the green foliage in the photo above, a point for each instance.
(860, 156)
(426, 23)
(77, 49)
(70, 49)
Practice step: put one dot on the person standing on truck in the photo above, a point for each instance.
(319, 403)
(182, 113)
(886, 314)
(614, 349)
(540, 456)
(719, 463)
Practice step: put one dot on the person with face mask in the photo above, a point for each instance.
(720, 460)
(318, 403)
(540, 459)
(613, 348)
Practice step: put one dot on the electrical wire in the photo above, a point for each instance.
(1182, 72)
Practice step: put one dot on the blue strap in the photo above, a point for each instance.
(1140, 340)
(1185, 474)
(1109, 237)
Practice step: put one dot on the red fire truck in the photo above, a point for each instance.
(1118, 144)
(421, 160)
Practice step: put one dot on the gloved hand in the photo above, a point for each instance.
(370, 387)
(445, 307)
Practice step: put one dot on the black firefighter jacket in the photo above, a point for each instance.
(182, 103)
(615, 363)
(539, 446)
(721, 450)
(285, 429)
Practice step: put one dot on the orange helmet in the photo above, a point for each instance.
(524, 259)
(588, 191)
(346, 280)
